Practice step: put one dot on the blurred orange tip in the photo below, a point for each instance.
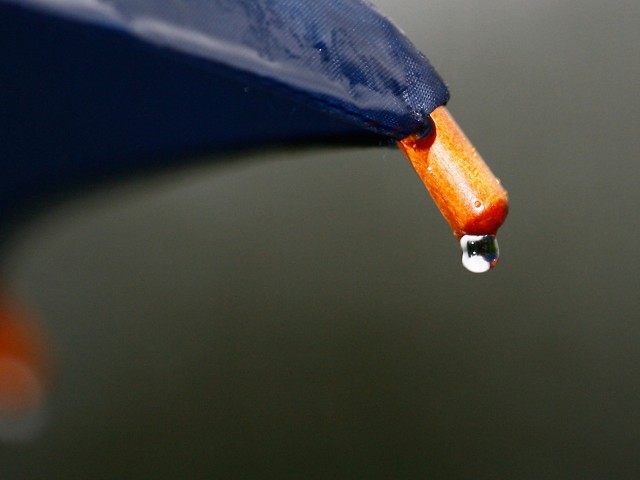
(25, 373)
(466, 192)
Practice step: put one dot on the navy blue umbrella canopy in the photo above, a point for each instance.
(92, 88)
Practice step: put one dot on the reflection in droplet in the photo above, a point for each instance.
(479, 252)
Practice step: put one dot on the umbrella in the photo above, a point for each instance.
(92, 89)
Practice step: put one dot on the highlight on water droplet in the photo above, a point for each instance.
(480, 253)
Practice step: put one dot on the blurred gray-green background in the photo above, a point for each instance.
(304, 313)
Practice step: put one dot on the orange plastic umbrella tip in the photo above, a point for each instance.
(466, 192)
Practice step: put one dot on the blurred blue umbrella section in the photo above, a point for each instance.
(92, 89)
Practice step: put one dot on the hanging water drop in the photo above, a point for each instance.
(479, 252)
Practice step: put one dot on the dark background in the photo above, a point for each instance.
(304, 313)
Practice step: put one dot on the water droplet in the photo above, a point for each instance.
(477, 203)
(479, 252)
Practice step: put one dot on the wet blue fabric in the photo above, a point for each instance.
(90, 88)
